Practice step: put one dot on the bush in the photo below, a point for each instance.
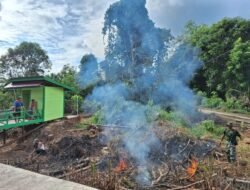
(6, 100)
(207, 127)
(213, 102)
(231, 103)
(97, 118)
(76, 103)
(175, 117)
(198, 131)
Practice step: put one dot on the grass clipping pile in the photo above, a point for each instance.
(87, 156)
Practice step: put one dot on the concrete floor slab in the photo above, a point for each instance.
(12, 178)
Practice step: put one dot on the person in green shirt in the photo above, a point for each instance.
(231, 136)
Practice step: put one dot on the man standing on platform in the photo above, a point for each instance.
(18, 106)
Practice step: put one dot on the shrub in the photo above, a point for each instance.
(230, 104)
(76, 101)
(97, 118)
(213, 102)
(175, 117)
(6, 100)
(207, 127)
(233, 105)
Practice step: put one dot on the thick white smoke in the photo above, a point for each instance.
(144, 71)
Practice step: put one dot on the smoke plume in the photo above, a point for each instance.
(145, 70)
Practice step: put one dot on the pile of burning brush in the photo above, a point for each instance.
(177, 162)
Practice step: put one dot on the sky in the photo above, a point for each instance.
(69, 29)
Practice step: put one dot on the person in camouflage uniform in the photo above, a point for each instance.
(231, 136)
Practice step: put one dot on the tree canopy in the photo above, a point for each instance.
(67, 76)
(26, 59)
(133, 41)
(225, 52)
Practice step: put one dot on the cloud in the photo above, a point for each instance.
(68, 29)
(174, 14)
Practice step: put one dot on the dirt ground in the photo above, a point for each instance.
(65, 146)
(88, 156)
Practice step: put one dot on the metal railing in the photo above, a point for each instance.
(7, 116)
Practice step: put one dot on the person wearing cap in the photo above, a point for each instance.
(231, 136)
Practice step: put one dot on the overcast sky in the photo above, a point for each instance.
(68, 29)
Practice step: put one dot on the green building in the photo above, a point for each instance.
(47, 94)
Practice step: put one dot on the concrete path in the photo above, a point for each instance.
(12, 178)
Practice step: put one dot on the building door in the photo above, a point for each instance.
(26, 98)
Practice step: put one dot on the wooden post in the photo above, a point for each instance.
(37, 167)
(4, 136)
(77, 109)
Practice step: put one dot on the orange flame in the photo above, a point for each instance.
(191, 170)
(122, 166)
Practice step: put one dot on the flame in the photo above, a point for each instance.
(191, 170)
(122, 166)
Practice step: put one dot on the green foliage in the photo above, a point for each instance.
(238, 70)
(68, 76)
(205, 128)
(210, 126)
(213, 102)
(197, 131)
(229, 104)
(174, 117)
(97, 118)
(93, 168)
(3, 81)
(85, 92)
(233, 104)
(225, 52)
(88, 62)
(6, 100)
(132, 42)
(26, 59)
(76, 101)
(88, 58)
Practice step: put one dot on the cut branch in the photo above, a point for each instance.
(192, 184)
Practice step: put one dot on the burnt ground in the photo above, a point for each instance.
(87, 156)
(65, 148)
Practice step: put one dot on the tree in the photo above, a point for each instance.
(133, 41)
(68, 76)
(26, 59)
(89, 75)
(216, 43)
(76, 101)
(139, 61)
(6, 99)
(238, 69)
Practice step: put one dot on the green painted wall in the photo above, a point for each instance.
(37, 95)
(54, 103)
(33, 93)
(26, 98)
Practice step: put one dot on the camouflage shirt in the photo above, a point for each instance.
(231, 136)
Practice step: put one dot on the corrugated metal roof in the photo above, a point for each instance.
(44, 80)
(23, 85)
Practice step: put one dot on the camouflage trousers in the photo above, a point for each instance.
(231, 152)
